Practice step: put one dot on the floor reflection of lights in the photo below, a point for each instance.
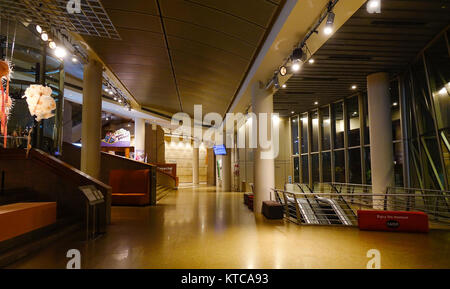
(198, 227)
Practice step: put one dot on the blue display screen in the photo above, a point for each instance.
(219, 150)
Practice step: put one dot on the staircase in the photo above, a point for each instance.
(162, 191)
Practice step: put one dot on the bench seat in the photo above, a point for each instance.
(20, 218)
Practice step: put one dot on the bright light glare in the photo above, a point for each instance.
(328, 30)
(60, 52)
(296, 67)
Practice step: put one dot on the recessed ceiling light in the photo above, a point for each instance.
(44, 36)
(52, 45)
(311, 60)
(292, 112)
(39, 29)
(395, 104)
(283, 86)
(74, 59)
(110, 92)
(316, 102)
(296, 67)
(354, 86)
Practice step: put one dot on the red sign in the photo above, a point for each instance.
(393, 221)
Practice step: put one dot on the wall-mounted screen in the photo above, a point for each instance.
(220, 150)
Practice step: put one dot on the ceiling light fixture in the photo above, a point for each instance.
(44, 36)
(330, 22)
(39, 29)
(395, 104)
(295, 67)
(374, 6)
(52, 45)
(292, 112)
(284, 86)
(311, 60)
(354, 87)
(74, 59)
(316, 103)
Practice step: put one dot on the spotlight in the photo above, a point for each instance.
(374, 6)
(311, 60)
(39, 29)
(297, 54)
(52, 45)
(354, 87)
(284, 86)
(276, 84)
(329, 25)
(44, 36)
(60, 52)
(295, 66)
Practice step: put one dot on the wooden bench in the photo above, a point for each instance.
(20, 218)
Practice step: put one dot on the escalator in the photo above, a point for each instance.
(316, 210)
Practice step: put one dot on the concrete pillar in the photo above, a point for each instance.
(226, 171)
(139, 139)
(67, 122)
(264, 169)
(92, 118)
(380, 129)
(195, 165)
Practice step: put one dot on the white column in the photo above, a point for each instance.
(380, 128)
(264, 169)
(92, 118)
(195, 165)
(139, 139)
(226, 171)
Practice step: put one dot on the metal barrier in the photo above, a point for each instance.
(336, 203)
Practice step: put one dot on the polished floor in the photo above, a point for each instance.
(198, 227)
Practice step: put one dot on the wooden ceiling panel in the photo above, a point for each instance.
(147, 6)
(212, 19)
(209, 37)
(176, 53)
(259, 12)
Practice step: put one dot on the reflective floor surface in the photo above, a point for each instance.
(198, 227)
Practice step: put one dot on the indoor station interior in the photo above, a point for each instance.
(338, 148)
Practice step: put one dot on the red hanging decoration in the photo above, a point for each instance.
(5, 105)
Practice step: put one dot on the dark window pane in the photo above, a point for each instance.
(305, 172)
(395, 111)
(368, 171)
(296, 170)
(326, 128)
(315, 168)
(326, 167)
(315, 132)
(294, 134)
(438, 66)
(304, 127)
(354, 160)
(366, 121)
(398, 164)
(338, 133)
(353, 121)
(339, 166)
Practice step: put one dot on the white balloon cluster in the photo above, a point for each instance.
(39, 100)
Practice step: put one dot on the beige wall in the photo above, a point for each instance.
(180, 153)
